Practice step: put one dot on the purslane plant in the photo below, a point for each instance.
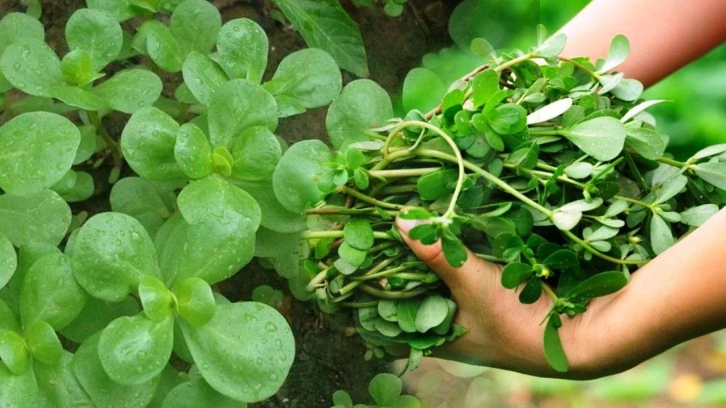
(546, 164)
(118, 309)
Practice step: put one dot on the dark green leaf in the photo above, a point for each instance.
(361, 105)
(112, 251)
(97, 32)
(324, 24)
(239, 105)
(562, 259)
(515, 273)
(195, 24)
(358, 233)
(661, 236)
(554, 353)
(437, 184)
(36, 151)
(531, 292)
(602, 137)
(453, 249)
(244, 352)
(243, 48)
(602, 284)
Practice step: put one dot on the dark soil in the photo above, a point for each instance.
(326, 358)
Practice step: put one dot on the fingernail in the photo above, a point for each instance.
(405, 225)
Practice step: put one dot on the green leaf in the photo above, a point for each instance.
(147, 143)
(431, 313)
(531, 292)
(203, 76)
(192, 151)
(324, 24)
(130, 90)
(242, 49)
(239, 105)
(197, 393)
(31, 66)
(121, 10)
(388, 309)
(112, 252)
(628, 90)
(453, 249)
(75, 186)
(295, 177)
(358, 233)
(103, 391)
(46, 151)
(8, 260)
(554, 353)
(619, 50)
(161, 46)
(309, 76)
(77, 68)
(712, 172)
(256, 152)
(507, 119)
(602, 137)
(552, 47)
(646, 142)
(244, 352)
(696, 216)
(134, 350)
(15, 26)
(515, 273)
(155, 298)
(351, 256)
(661, 236)
(97, 32)
(142, 200)
(385, 388)
(41, 217)
(43, 343)
(437, 184)
(637, 109)
(709, 151)
(219, 229)
(602, 284)
(362, 105)
(96, 315)
(195, 301)
(50, 292)
(20, 390)
(561, 259)
(13, 352)
(670, 188)
(483, 86)
(195, 24)
(59, 384)
(422, 90)
(78, 97)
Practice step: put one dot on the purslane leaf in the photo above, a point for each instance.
(42, 217)
(130, 90)
(31, 66)
(242, 49)
(602, 137)
(295, 177)
(325, 24)
(97, 32)
(256, 152)
(112, 252)
(8, 260)
(361, 105)
(244, 352)
(203, 76)
(195, 24)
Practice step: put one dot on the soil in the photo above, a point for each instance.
(326, 359)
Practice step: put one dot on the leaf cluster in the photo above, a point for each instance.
(554, 169)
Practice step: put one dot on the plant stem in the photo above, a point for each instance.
(113, 146)
(599, 254)
(385, 294)
(363, 197)
(550, 293)
(671, 162)
(402, 173)
(310, 235)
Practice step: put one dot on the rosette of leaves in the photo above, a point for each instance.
(546, 164)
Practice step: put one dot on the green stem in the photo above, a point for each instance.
(333, 210)
(359, 305)
(671, 162)
(385, 294)
(402, 173)
(577, 64)
(363, 197)
(113, 146)
(599, 254)
(550, 293)
(310, 235)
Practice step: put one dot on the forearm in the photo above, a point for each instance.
(664, 34)
(679, 295)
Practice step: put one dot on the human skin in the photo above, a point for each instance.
(679, 295)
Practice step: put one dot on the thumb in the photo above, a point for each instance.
(469, 275)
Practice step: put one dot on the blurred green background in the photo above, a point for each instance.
(690, 375)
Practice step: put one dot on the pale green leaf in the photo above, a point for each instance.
(202, 76)
(130, 90)
(195, 24)
(242, 49)
(295, 177)
(31, 66)
(602, 137)
(97, 32)
(42, 217)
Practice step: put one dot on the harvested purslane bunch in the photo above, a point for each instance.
(548, 165)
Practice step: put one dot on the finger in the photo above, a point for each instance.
(469, 275)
